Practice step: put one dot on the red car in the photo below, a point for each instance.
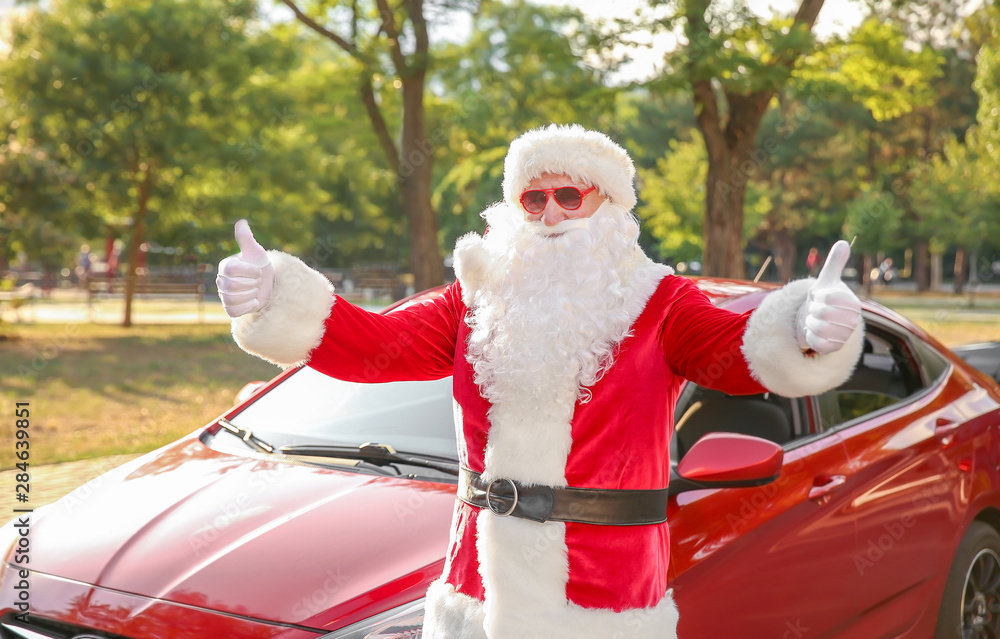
(321, 508)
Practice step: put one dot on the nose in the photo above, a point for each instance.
(553, 214)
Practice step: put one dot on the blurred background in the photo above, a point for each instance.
(366, 135)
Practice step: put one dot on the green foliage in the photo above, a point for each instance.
(673, 200)
(875, 67)
(233, 116)
(522, 67)
(163, 104)
(987, 85)
(735, 64)
(956, 193)
(648, 121)
(730, 45)
(873, 219)
(353, 213)
(957, 197)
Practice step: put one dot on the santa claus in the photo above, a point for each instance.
(567, 346)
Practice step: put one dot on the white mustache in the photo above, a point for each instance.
(566, 225)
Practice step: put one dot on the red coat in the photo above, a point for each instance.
(510, 578)
(620, 439)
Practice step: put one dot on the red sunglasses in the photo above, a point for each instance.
(568, 197)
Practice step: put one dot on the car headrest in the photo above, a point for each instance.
(747, 415)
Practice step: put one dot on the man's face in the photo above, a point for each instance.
(553, 213)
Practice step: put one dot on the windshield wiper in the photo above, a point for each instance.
(251, 440)
(379, 454)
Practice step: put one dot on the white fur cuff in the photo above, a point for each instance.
(773, 354)
(472, 265)
(287, 330)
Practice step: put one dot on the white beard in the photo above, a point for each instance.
(548, 318)
(547, 309)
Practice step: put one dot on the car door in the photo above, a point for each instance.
(767, 561)
(908, 478)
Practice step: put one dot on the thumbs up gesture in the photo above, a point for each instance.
(245, 280)
(831, 311)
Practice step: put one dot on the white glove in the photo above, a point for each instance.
(831, 311)
(245, 280)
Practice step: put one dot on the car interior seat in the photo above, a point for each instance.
(717, 412)
(880, 370)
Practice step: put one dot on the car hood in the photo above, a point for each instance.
(249, 536)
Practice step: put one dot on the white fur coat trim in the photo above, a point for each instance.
(773, 353)
(472, 263)
(292, 324)
(525, 570)
(449, 614)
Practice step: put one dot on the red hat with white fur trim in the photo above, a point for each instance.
(589, 157)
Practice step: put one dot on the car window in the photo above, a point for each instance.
(887, 373)
(933, 363)
(702, 410)
(309, 407)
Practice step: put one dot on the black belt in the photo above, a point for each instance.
(506, 497)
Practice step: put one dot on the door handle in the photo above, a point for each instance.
(822, 490)
(945, 429)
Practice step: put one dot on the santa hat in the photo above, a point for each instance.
(588, 157)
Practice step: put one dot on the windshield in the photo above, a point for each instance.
(309, 407)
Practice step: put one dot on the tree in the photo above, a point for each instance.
(940, 27)
(735, 64)
(808, 171)
(141, 103)
(956, 192)
(673, 194)
(30, 181)
(523, 66)
(748, 61)
(376, 36)
(873, 219)
(673, 201)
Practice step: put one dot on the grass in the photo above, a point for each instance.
(953, 331)
(98, 390)
(951, 322)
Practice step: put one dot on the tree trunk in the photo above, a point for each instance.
(783, 249)
(732, 161)
(866, 275)
(723, 228)
(960, 268)
(415, 175)
(974, 281)
(415, 157)
(937, 270)
(974, 268)
(921, 266)
(138, 230)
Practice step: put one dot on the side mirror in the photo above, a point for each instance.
(247, 392)
(728, 460)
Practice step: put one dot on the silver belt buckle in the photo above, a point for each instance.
(489, 504)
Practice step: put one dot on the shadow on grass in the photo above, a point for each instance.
(147, 362)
